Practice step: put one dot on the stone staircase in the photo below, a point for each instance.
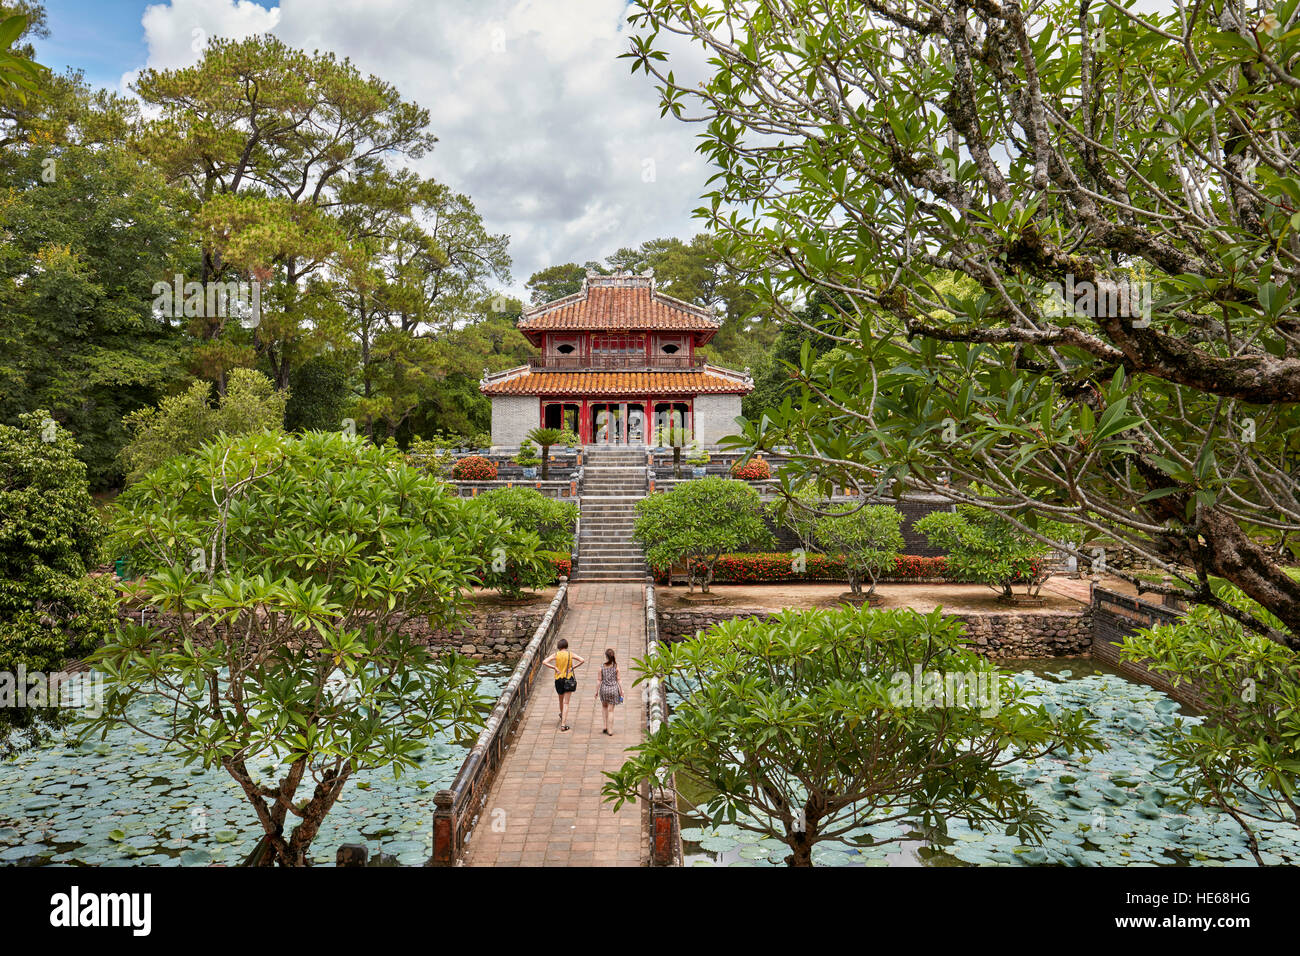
(614, 480)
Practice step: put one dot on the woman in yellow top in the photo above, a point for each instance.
(564, 662)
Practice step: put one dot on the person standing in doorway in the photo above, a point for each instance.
(565, 664)
(610, 690)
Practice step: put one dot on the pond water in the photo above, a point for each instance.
(128, 801)
(1112, 808)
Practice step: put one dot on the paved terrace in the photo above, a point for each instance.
(549, 784)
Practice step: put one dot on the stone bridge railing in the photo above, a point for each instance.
(665, 823)
(456, 809)
(1114, 617)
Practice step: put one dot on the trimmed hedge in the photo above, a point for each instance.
(769, 567)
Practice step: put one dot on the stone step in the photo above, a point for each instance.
(609, 576)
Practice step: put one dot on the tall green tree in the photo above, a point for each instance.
(808, 727)
(87, 232)
(295, 659)
(50, 534)
(555, 282)
(265, 139)
(181, 423)
(1063, 247)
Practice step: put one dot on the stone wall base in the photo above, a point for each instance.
(996, 635)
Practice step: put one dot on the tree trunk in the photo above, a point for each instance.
(801, 845)
(546, 462)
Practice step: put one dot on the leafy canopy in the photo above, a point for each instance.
(1051, 271)
(287, 568)
(868, 536)
(181, 423)
(809, 725)
(50, 533)
(696, 522)
(1244, 757)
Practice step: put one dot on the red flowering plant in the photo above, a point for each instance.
(775, 567)
(474, 468)
(756, 469)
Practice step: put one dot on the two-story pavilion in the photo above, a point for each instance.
(618, 360)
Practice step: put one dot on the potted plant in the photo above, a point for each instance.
(697, 459)
(527, 459)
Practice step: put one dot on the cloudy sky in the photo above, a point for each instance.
(538, 122)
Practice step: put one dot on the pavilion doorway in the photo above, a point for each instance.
(618, 423)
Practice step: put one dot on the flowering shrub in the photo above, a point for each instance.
(562, 563)
(756, 469)
(474, 468)
(767, 567)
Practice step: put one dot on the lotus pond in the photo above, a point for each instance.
(1114, 808)
(128, 801)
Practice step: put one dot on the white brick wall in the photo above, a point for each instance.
(513, 417)
(714, 416)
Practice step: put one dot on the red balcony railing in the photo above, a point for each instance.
(616, 361)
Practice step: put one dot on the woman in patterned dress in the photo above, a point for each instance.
(610, 689)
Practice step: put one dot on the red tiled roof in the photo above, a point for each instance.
(526, 381)
(619, 302)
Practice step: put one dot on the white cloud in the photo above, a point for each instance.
(538, 120)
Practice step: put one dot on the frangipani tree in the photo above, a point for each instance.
(1243, 758)
(283, 570)
(869, 538)
(983, 546)
(698, 522)
(1058, 249)
(812, 724)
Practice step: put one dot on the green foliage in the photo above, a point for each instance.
(183, 422)
(319, 394)
(87, 230)
(527, 456)
(797, 512)
(697, 455)
(288, 566)
(19, 75)
(697, 522)
(434, 454)
(551, 519)
(49, 538)
(983, 546)
(1244, 757)
(1027, 291)
(555, 282)
(868, 537)
(805, 725)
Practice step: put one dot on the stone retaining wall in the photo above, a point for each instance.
(487, 634)
(1011, 634)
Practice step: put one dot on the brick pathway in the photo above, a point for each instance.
(549, 785)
